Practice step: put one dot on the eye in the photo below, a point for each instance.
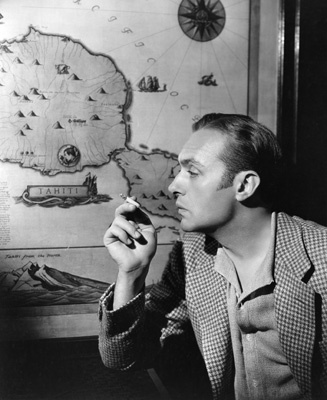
(193, 173)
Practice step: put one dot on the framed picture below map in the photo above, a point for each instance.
(97, 98)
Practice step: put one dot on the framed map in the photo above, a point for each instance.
(97, 99)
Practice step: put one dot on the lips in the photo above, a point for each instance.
(180, 208)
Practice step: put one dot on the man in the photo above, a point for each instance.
(250, 281)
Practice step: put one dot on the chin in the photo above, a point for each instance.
(184, 226)
(188, 227)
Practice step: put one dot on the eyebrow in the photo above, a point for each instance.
(190, 161)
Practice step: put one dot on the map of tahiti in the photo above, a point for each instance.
(64, 108)
(97, 99)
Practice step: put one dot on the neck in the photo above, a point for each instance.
(247, 237)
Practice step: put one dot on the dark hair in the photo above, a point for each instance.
(250, 146)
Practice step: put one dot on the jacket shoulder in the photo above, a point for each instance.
(294, 226)
(299, 240)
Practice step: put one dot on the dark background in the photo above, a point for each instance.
(303, 110)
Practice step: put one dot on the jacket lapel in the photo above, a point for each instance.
(294, 301)
(207, 291)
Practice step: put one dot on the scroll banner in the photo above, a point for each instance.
(63, 191)
(63, 195)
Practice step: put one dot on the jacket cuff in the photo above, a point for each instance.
(123, 318)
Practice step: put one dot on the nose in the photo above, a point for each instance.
(175, 186)
(171, 187)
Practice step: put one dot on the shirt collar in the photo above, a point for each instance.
(225, 267)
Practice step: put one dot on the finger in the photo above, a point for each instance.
(114, 234)
(141, 217)
(137, 214)
(121, 223)
(129, 225)
(124, 209)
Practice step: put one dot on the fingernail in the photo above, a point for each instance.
(137, 234)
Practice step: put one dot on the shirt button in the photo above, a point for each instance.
(255, 383)
(249, 337)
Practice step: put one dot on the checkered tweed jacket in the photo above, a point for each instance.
(192, 291)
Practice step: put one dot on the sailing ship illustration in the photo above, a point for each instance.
(150, 84)
(208, 80)
(91, 183)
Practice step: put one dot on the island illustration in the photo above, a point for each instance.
(64, 108)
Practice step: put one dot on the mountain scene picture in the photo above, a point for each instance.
(32, 285)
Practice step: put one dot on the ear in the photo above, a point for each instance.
(246, 183)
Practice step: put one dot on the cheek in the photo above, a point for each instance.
(215, 207)
(205, 206)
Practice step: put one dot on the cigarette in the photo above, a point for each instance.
(129, 200)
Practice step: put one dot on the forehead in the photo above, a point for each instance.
(204, 146)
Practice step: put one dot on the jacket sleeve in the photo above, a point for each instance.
(133, 335)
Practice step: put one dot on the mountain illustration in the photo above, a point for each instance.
(32, 114)
(27, 127)
(34, 285)
(17, 60)
(57, 125)
(89, 98)
(14, 94)
(20, 114)
(36, 62)
(74, 77)
(161, 194)
(32, 276)
(95, 117)
(102, 91)
(34, 91)
(5, 48)
(25, 98)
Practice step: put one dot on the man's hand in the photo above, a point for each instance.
(131, 241)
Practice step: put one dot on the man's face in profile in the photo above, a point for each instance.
(202, 203)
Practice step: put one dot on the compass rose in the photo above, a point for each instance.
(201, 20)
